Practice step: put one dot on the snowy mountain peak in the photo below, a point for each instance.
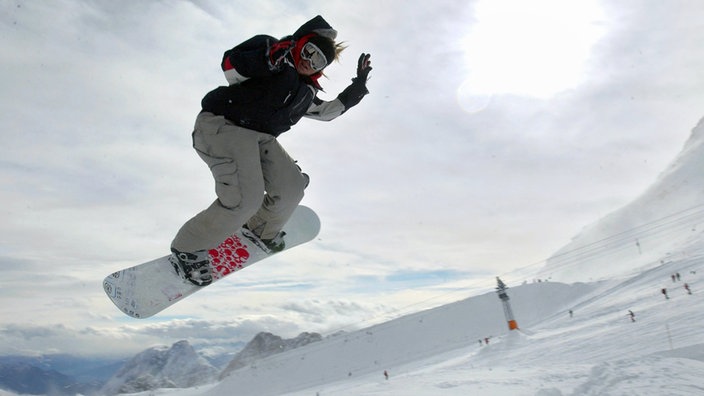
(266, 344)
(698, 132)
(178, 366)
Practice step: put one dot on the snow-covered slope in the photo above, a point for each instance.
(597, 351)
(400, 341)
(661, 225)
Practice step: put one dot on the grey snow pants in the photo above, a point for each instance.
(256, 182)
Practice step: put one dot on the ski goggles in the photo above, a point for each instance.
(314, 56)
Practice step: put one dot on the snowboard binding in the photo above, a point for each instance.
(270, 246)
(192, 267)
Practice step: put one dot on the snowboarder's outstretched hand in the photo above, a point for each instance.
(354, 93)
(364, 67)
(276, 53)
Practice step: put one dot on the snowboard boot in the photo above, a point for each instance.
(193, 267)
(273, 245)
(277, 243)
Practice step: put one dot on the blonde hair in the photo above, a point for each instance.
(339, 47)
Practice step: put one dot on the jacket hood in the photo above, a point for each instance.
(317, 25)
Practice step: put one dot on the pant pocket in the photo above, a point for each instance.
(227, 186)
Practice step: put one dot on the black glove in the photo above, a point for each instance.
(277, 51)
(364, 67)
(354, 93)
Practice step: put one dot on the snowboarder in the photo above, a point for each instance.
(272, 85)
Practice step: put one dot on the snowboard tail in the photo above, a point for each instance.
(147, 289)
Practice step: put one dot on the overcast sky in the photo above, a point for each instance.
(493, 133)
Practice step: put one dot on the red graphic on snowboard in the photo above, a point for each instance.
(228, 257)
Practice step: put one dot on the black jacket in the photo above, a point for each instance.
(272, 100)
(269, 102)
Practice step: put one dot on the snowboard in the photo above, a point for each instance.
(146, 289)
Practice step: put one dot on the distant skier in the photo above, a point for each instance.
(632, 315)
(571, 313)
(686, 287)
(664, 293)
(386, 375)
(272, 84)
